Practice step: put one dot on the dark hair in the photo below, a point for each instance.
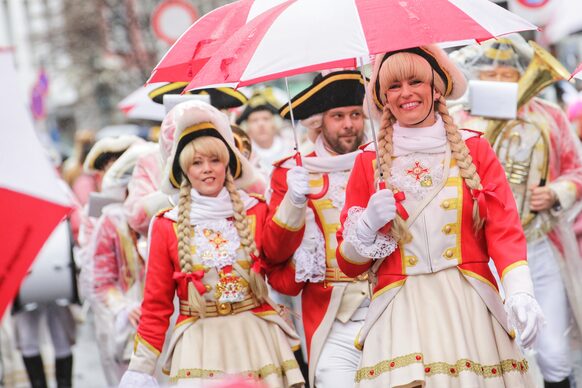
(102, 160)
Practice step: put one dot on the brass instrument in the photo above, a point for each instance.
(517, 170)
(542, 71)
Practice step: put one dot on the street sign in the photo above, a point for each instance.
(171, 18)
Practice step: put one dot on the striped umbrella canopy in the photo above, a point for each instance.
(193, 49)
(32, 202)
(298, 36)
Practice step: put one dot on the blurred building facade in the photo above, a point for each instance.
(97, 52)
(94, 53)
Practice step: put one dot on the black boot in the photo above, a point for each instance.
(560, 384)
(35, 371)
(302, 366)
(64, 372)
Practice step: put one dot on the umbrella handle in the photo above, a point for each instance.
(325, 177)
(386, 228)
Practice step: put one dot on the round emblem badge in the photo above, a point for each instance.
(533, 3)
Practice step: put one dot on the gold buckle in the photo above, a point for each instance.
(224, 308)
(363, 276)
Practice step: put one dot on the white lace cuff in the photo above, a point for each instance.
(382, 247)
(310, 258)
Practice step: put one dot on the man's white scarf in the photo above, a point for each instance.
(324, 161)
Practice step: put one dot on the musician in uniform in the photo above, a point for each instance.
(541, 158)
(300, 233)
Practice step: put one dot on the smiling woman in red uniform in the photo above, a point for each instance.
(206, 251)
(436, 318)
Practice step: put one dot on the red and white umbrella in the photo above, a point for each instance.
(138, 105)
(577, 73)
(193, 49)
(31, 201)
(307, 35)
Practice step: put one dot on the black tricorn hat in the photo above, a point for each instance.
(260, 100)
(220, 98)
(335, 90)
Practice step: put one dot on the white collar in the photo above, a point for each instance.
(430, 140)
(324, 161)
(203, 208)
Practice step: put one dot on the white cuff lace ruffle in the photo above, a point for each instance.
(382, 247)
(310, 258)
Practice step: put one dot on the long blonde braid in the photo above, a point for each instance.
(247, 242)
(460, 152)
(195, 300)
(399, 230)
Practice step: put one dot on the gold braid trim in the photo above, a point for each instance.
(256, 374)
(434, 368)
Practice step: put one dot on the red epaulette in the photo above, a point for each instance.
(280, 162)
(163, 211)
(363, 146)
(472, 130)
(260, 197)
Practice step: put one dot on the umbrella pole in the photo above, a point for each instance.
(381, 182)
(292, 118)
(297, 156)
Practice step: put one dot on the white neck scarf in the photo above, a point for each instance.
(425, 140)
(324, 161)
(203, 208)
(428, 140)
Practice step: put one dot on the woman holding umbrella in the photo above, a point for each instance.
(205, 250)
(436, 318)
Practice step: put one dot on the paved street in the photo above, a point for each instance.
(87, 371)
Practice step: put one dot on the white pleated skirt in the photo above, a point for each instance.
(438, 333)
(241, 346)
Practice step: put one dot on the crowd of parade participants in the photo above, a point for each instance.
(442, 253)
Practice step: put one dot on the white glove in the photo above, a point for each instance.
(381, 209)
(526, 316)
(122, 317)
(523, 311)
(134, 379)
(298, 184)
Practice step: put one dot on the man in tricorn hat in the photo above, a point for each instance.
(300, 236)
